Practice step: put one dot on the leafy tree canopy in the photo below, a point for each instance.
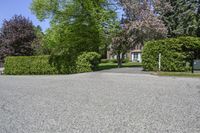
(182, 17)
(76, 26)
(143, 24)
(16, 37)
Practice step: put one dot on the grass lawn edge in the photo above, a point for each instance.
(177, 74)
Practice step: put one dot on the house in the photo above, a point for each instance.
(134, 55)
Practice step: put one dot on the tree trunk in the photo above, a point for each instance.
(119, 61)
(123, 54)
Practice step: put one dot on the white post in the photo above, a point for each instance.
(159, 62)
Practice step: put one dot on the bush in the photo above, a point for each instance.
(113, 60)
(39, 65)
(28, 65)
(176, 53)
(126, 60)
(87, 62)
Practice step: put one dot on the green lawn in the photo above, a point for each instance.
(104, 66)
(178, 74)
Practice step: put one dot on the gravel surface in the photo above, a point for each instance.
(99, 103)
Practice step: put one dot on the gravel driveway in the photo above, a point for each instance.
(99, 103)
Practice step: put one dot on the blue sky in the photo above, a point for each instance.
(8, 8)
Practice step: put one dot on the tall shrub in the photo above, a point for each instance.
(177, 53)
(88, 61)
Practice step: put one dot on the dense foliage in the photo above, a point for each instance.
(142, 23)
(182, 17)
(39, 65)
(24, 65)
(76, 27)
(16, 37)
(39, 44)
(177, 53)
(87, 62)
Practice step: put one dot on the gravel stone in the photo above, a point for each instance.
(99, 102)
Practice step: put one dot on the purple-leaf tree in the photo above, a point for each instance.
(16, 37)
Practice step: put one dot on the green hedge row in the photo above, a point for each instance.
(39, 65)
(177, 53)
(18, 65)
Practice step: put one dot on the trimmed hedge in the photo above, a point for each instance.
(39, 65)
(177, 53)
(28, 65)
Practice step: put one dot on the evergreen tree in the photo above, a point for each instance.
(183, 18)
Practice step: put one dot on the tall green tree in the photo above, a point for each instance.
(182, 17)
(76, 26)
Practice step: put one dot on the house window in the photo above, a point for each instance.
(135, 56)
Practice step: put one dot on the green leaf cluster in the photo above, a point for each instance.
(28, 65)
(76, 26)
(88, 61)
(183, 19)
(40, 65)
(177, 53)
